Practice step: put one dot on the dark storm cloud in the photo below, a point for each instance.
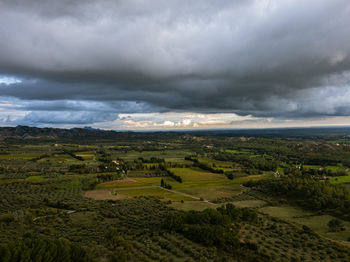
(248, 57)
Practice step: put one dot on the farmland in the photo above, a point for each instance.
(112, 197)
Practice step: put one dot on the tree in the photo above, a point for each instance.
(335, 225)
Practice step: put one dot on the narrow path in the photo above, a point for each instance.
(68, 212)
(134, 187)
(169, 190)
(187, 195)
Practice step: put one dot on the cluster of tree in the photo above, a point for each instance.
(211, 227)
(229, 175)
(176, 165)
(108, 177)
(83, 169)
(56, 204)
(335, 225)
(151, 160)
(309, 193)
(117, 243)
(70, 153)
(107, 165)
(173, 176)
(89, 183)
(37, 250)
(39, 157)
(104, 159)
(295, 151)
(150, 167)
(190, 158)
(313, 172)
(321, 159)
(322, 172)
(156, 173)
(165, 185)
(203, 166)
(136, 165)
(104, 156)
(208, 168)
(251, 163)
(77, 168)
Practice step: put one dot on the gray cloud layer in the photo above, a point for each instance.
(266, 58)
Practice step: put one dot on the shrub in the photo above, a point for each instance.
(8, 218)
(335, 225)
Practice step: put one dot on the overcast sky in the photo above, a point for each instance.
(155, 64)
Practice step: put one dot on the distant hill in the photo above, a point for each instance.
(88, 133)
(26, 132)
(91, 128)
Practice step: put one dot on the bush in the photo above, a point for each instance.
(335, 225)
(8, 218)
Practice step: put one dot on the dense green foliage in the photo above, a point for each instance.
(37, 250)
(211, 227)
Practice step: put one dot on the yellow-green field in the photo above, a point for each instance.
(249, 203)
(87, 155)
(35, 179)
(197, 185)
(60, 158)
(197, 175)
(212, 192)
(155, 191)
(340, 179)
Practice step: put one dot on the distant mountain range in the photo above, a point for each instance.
(26, 132)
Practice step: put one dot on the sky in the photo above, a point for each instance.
(159, 65)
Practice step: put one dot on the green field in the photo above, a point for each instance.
(197, 184)
(317, 223)
(35, 179)
(119, 184)
(197, 175)
(340, 179)
(172, 154)
(61, 158)
(211, 192)
(155, 191)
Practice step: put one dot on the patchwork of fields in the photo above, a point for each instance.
(71, 177)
